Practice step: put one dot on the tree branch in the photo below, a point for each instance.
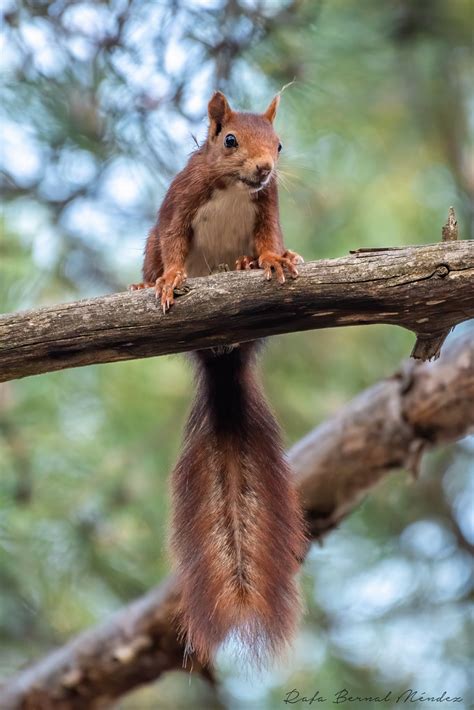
(388, 426)
(430, 346)
(427, 289)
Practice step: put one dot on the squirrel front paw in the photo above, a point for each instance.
(140, 286)
(245, 263)
(288, 260)
(296, 259)
(165, 285)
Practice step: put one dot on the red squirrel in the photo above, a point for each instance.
(237, 533)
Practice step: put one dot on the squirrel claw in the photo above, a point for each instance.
(245, 263)
(295, 258)
(140, 286)
(270, 260)
(165, 285)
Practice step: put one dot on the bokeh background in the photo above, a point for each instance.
(100, 102)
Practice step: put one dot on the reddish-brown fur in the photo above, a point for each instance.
(237, 528)
(237, 531)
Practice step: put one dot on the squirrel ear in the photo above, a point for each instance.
(219, 111)
(270, 113)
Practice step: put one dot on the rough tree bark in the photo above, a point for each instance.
(386, 427)
(427, 289)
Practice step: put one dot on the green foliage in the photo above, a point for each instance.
(99, 116)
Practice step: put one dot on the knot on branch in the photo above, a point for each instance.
(442, 271)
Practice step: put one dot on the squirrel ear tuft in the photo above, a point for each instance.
(270, 113)
(219, 111)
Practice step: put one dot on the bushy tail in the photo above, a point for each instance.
(237, 528)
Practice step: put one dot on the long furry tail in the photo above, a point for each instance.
(237, 528)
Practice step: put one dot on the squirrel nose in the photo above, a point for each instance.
(263, 170)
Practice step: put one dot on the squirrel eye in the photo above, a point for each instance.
(230, 141)
(279, 147)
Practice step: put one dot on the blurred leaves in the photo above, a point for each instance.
(99, 104)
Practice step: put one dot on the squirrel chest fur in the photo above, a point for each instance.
(237, 531)
(223, 230)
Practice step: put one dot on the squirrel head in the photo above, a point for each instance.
(243, 147)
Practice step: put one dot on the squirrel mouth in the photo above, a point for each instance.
(255, 184)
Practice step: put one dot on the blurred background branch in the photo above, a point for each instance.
(388, 426)
(99, 103)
